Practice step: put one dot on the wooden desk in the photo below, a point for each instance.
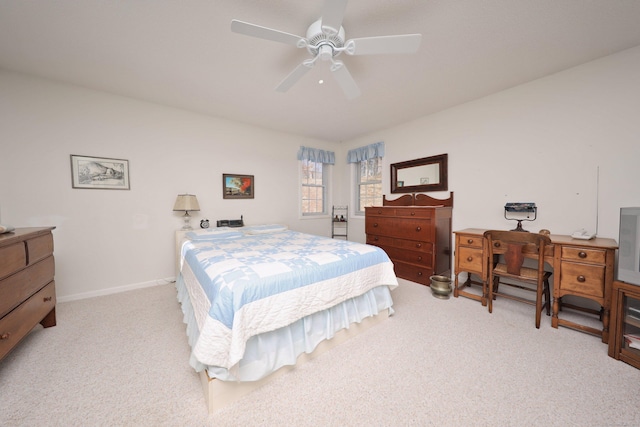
(582, 268)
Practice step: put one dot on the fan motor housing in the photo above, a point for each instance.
(317, 38)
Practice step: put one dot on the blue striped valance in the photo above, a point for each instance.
(316, 155)
(365, 153)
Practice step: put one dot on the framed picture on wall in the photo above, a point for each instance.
(99, 173)
(237, 186)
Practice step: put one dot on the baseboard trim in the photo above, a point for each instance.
(116, 290)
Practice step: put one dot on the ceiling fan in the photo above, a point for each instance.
(325, 40)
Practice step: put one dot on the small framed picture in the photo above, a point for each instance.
(237, 186)
(99, 173)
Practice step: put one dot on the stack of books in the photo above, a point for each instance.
(633, 341)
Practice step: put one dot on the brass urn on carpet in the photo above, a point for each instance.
(440, 286)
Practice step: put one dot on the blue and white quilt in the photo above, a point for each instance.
(242, 284)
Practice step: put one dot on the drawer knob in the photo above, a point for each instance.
(47, 299)
(496, 244)
(419, 273)
(418, 228)
(413, 213)
(582, 254)
(469, 241)
(470, 258)
(418, 245)
(5, 335)
(375, 224)
(375, 238)
(419, 258)
(581, 279)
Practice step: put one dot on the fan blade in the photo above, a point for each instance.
(405, 43)
(295, 75)
(254, 30)
(344, 79)
(332, 15)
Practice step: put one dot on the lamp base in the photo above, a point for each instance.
(519, 227)
(187, 222)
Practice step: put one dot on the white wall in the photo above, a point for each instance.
(541, 142)
(109, 239)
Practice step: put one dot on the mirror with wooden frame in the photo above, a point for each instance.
(420, 175)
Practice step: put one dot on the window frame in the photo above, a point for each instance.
(357, 179)
(326, 187)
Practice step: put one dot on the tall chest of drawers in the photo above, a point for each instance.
(27, 288)
(416, 238)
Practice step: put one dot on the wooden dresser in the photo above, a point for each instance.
(27, 289)
(415, 231)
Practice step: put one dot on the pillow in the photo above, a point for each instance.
(6, 228)
(213, 234)
(264, 229)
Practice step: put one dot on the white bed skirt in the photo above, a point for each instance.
(267, 352)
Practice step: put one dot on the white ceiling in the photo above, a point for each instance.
(183, 53)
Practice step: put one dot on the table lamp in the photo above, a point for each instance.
(522, 209)
(186, 203)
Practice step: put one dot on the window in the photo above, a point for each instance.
(314, 187)
(314, 180)
(369, 183)
(368, 175)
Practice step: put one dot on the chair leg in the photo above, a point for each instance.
(547, 297)
(538, 305)
(492, 288)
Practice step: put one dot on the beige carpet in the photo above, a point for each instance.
(123, 360)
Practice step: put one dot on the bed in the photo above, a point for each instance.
(258, 300)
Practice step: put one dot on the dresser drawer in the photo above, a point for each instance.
(404, 212)
(412, 245)
(596, 256)
(20, 286)
(469, 241)
(469, 259)
(414, 229)
(413, 257)
(18, 323)
(412, 272)
(14, 258)
(39, 247)
(582, 279)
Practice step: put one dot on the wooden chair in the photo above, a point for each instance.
(515, 246)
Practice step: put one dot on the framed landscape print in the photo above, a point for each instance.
(99, 173)
(237, 186)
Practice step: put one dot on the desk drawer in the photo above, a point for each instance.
(470, 241)
(13, 257)
(595, 256)
(469, 259)
(582, 280)
(18, 323)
